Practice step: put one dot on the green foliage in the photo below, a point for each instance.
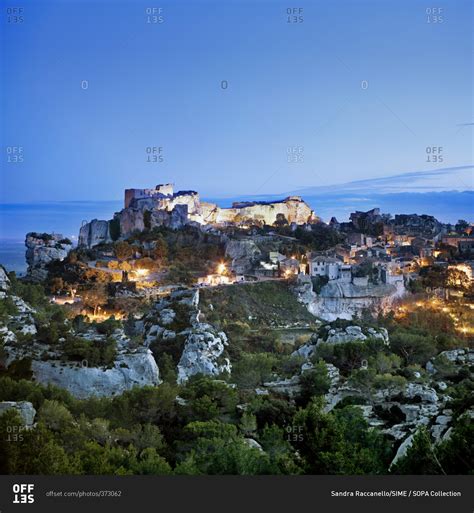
(319, 282)
(108, 326)
(339, 443)
(420, 458)
(55, 415)
(95, 352)
(218, 449)
(147, 219)
(415, 347)
(32, 451)
(123, 250)
(7, 308)
(314, 382)
(253, 369)
(259, 305)
(114, 229)
(203, 392)
(167, 366)
(179, 273)
(349, 355)
(32, 293)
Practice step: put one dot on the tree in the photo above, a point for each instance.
(314, 382)
(339, 442)
(248, 424)
(123, 250)
(95, 296)
(457, 279)
(160, 251)
(420, 458)
(461, 226)
(280, 220)
(56, 285)
(216, 448)
(55, 415)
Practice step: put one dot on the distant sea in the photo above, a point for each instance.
(16, 220)
(66, 217)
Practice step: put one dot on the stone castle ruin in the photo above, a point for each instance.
(161, 206)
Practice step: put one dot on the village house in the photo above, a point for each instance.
(324, 266)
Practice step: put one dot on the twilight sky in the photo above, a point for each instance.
(360, 88)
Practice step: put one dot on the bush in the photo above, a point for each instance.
(314, 382)
(96, 353)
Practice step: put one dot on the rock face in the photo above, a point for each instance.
(204, 347)
(24, 408)
(203, 352)
(93, 233)
(342, 300)
(329, 335)
(130, 370)
(4, 280)
(43, 249)
(402, 450)
(244, 253)
(399, 408)
(161, 206)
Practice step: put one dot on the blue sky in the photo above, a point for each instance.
(288, 85)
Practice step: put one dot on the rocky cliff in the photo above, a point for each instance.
(244, 254)
(343, 300)
(149, 208)
(41, 250)
(203, 346)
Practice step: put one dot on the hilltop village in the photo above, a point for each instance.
(245, 324)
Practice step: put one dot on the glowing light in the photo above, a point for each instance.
(221, 268)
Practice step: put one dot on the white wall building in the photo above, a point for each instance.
(325, 266)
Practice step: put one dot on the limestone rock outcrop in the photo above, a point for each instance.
(24, 408)
(4, 280)
(344, 300)
(161, 206)
(93, 233)
(203, 352)
(244, 253)
(330, 335)
(130, 370)
(41, 250)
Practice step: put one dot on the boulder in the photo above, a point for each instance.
(402, 450)
(130, 370)
(289, 387)
(253, 444)
(167, 316)
(24, 408)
